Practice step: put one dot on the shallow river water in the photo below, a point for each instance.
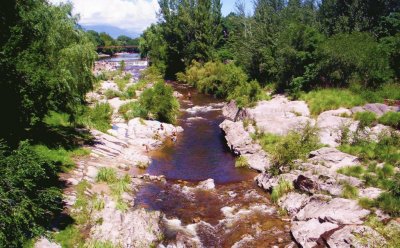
(236, 213)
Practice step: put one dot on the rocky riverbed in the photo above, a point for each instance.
(319, 216)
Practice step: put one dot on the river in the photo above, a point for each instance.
(236, 212)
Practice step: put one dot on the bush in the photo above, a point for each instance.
(224, 81)
(98, 117)
(332, 98)
(160, 103)
(241, 162)
(366, 119)
(132, 110)
(29, 195)
(391, 119)
(281, 189)
(295, 145)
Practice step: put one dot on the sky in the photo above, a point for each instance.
(123, 17)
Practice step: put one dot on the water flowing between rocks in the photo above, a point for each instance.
(227, 211)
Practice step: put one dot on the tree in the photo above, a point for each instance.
(46, 64)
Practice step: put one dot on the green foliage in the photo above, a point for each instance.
(349, 191)
(71, 236)
(122, 81)
(366, 119)
(391, 119)
(160, 103)
(281, 189)
(100, 244)
(391, 233)
(97, 117)
(389, 203)
(284, 150)
(385, 150)
(132, 110)
(60, 156)
(353, 171)
(46, 64)
(110, 94)
(328, 99)
(107, 175)
(241, 162)
(224, 81)
(29, 195)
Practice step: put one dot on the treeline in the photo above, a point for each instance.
(294, 45)
(105, 40)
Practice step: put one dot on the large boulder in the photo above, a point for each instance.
(338, 210)
(279, 115)
(240, 143)
(378, 108)
(307, 233)
(231, 112)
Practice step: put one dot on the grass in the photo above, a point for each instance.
(332, 98)
(284, 150)
(391, 119)
(281, 189)
(110, 94)
(390, 233)
(107, 175)
(98, 117)
(132, 110)
(241, 162)
(349, 191)
(386, 149)
(71, 236)
(61, 156)
(142, 165)
(100, 244)
(122, 81)
(366, 119)
(321, 100)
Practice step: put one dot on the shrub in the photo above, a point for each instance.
(389, 203)
(160, 102)
(29, 195)
(241, 162)
(107, 175)
(132, 110)
(295, 145)
(366, 119)
(391, 119)
(122, 81)
(98, 117)
(281, 189)
(224, 81)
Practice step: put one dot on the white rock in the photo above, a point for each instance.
(206, 184)
(306, 233)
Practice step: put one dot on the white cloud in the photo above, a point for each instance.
(132, 15)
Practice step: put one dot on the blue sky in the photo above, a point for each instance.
(127, 17)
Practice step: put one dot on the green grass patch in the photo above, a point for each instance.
(281, 189)
(132, 110)
(333, 98)
(349, 191)
(98, 117)
(241, 162)
(387, 149)
(71, 236)
(110, 94)
(366, 119)
(391, 119)
(284, 150)
(107, 175)
(122, 81)
(390, 233)
(61, 156)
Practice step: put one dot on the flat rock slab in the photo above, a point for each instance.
(338, 210)
(293, 202)
(306, 233)
(332, 158)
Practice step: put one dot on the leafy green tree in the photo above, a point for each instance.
(153, 46)
(45, 63)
